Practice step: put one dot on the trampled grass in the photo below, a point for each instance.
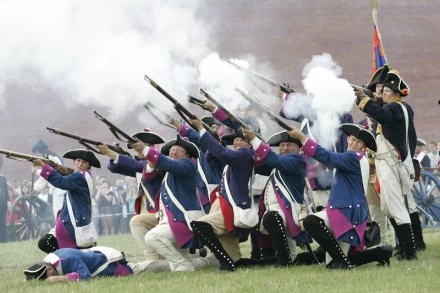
(417, 276)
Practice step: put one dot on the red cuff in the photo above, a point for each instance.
(309, 148)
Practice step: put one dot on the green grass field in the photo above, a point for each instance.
(417, 276)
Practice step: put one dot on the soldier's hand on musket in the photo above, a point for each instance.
(103, 149)
(197, 123)
(249, 133)
(360, 94)
(38, 163)
(171, 120)
(296, 133)
(139, 147)
(208, 105)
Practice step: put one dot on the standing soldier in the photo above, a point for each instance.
(373, 198)
(396, 140)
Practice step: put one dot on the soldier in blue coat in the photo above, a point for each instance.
(281, 199)
(79, 185)
(179, 205)
(148, 190)
(218, 229)
(341, 226)
(68, 264)
(208, 172)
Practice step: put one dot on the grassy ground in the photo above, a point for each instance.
(417, 276)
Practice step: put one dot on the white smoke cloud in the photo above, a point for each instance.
(96, 52)
(327, 97)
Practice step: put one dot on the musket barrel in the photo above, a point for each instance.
(232, 116)
(177, 105)
(264, 109)
(283, 88)
(82, 140)
(73, 136)
(113, 127)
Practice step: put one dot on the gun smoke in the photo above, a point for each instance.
(327, 97)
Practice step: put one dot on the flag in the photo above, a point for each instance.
(379, 58)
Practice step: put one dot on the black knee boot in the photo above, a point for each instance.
(398, 247)
(205, 232)
(380, 254)
(273, 223)
(316, 228)
(408, 244)
(417, 230)
(48, 243)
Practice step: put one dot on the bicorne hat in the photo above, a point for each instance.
(378, 77)
(361, 133)
(280, 137)
(36, 272)
(396, 83)
(191, 148)
(39, 146)
(83, 155)
(147, 137)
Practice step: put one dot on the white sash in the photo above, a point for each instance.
(85, 235)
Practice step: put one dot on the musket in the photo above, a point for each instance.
(365, 90)
(230, 115)
(25, 157)
(263, 108)
(179, 107)
(116, 130)
(227, 112)
(283, 88)
(151, 109)
(87, 142)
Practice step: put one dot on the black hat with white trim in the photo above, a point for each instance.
(83, 155)
(191, 148)
(361, 133)
(36, 272)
